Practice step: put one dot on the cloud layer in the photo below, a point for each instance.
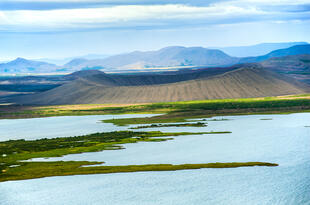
(70, 15)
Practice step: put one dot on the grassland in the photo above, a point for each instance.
(182, 111)
(174, 111)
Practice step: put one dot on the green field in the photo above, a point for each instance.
(182, 111)
(174, 111)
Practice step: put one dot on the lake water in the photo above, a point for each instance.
(284, 140)
(63, 126)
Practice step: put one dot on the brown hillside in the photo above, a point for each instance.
(244, 82)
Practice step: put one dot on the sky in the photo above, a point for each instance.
(64, 28)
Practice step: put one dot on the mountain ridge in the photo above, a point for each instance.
(165, 57)
(168, 57)
(258, 49)
(294, 50)
(26, 66)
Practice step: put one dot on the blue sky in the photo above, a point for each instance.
(65, 28)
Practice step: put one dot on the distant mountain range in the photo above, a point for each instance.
(257, 50)
(166, 57)
(62, 61)
(175, 56)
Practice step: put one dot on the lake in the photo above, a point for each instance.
(64, 126)
(282, 139)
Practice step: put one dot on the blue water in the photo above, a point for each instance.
(284, 140)
(64, 126)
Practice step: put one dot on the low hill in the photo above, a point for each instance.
(296, 66)
(82, 74)
(287, 64)
(245, 81)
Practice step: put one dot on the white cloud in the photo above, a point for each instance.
(150, 15)
(116, 14)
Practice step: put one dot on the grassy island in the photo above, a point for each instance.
(34, 170)
(15, 150)
(13, 153)
(197, 124)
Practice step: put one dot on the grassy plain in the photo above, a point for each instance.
(182, 111)
(174, 111)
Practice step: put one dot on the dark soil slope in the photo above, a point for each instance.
(243, 82)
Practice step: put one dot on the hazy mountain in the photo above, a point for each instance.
(56, 61)
(239, 82)
(75, 62)
(179, 56)
(94, 56)
(83, 64)
(165, 57)
(62, 61)
(294, 50)
(257, 50)
(21, 65)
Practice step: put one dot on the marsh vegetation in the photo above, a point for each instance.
(13, 154)
(31, 170)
